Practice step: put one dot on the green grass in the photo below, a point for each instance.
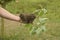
(53, 24)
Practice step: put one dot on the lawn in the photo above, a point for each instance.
(16, 31)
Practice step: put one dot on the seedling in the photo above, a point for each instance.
(38, 25)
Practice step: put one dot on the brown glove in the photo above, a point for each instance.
(27, 18)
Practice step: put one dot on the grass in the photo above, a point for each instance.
(16, 31)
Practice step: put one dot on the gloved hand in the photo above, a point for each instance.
(27, 18)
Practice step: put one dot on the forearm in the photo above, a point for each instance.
(4, 13)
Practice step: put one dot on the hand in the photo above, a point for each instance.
(27, 18)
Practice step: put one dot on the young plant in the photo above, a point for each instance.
(38, 25)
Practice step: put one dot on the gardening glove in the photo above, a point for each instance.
(27, 18)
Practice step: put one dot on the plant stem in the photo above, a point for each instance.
(2, 28)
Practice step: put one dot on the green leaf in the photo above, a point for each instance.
(42, 12)
(38, 31)
(43, 20)
(43, 28)
(33, 30)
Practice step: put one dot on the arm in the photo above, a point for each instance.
(5, 14)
